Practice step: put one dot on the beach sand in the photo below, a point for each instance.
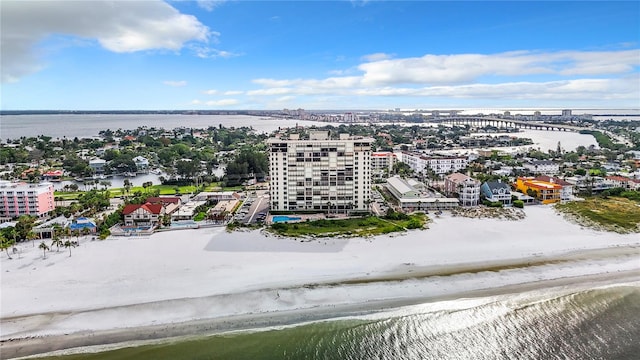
(190, 282)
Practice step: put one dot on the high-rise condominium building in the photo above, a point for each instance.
(320, 173)
(25, 199)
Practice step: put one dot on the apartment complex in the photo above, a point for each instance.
(382, 164)
(421, 163)
(25, 199)
(320, 173)
(466, 188)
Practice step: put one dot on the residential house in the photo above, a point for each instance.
(545, 192)
(497, 191)
(97, 165)
(623, 182)
(566, 193)
(170, 203)
(142, 163)
(143, 215)
(465, 188)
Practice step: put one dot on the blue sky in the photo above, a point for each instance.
(153, 55)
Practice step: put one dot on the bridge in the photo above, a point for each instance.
(504, 123)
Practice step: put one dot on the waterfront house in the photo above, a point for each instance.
(497, 191)
(143, 215)
(97, 165)
(142, 163)
(465, 188)
(545, 192)
(566, 193)
(169, 203)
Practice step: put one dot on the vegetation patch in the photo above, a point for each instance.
(616, 214)
(353, 227)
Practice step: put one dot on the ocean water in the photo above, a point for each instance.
(597, 323)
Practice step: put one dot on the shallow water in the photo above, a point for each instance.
(599, 323)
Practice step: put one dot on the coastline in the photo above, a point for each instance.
(208, 281)
(96, 341)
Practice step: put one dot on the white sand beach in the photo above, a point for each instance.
(208, 276)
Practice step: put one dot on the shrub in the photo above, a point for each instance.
(518, 203)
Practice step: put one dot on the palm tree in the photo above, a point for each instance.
(32, 236)
(6, 244)
(56, 241)
(69, 244)
(127, 186)
(76, 233)
(44, 248)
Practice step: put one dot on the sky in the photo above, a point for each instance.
(318, 55)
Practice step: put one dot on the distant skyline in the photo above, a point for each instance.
(373, 55)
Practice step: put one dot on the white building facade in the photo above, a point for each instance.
(421, 163)
(320, 173)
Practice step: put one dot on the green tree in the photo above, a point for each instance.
(5, 244)
(69, 244)
(44, 248)
(56, 241)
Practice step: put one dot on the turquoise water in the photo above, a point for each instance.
(283, 218)
(599, 323)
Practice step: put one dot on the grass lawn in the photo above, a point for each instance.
(614, 213)
(116, 192)
(365, 226)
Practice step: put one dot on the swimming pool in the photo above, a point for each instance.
(284, 218)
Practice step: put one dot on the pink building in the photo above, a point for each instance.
(25, 199)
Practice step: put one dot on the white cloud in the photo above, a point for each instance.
(118, 26)
(175, 83)
(376, 57)
(454, 69)
(223, 102)
(557, 76)
(206, 52)
(233, 92)
(211, 92)
(209, 5)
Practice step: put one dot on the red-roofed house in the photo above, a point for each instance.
(170, 203)
(623, 182)
(143, 215)
(566, 193)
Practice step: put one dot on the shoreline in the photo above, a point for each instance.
(104, 340)
(208, 281)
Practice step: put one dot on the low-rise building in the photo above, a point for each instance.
(622, 182)
(497, 191)
(382, 164)
(465, 188)
(439, 164)
(542, 167)
(97, 165)
(545, 192)
(566, 193)
(143, 214)
(142, 163)
(400, 188)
